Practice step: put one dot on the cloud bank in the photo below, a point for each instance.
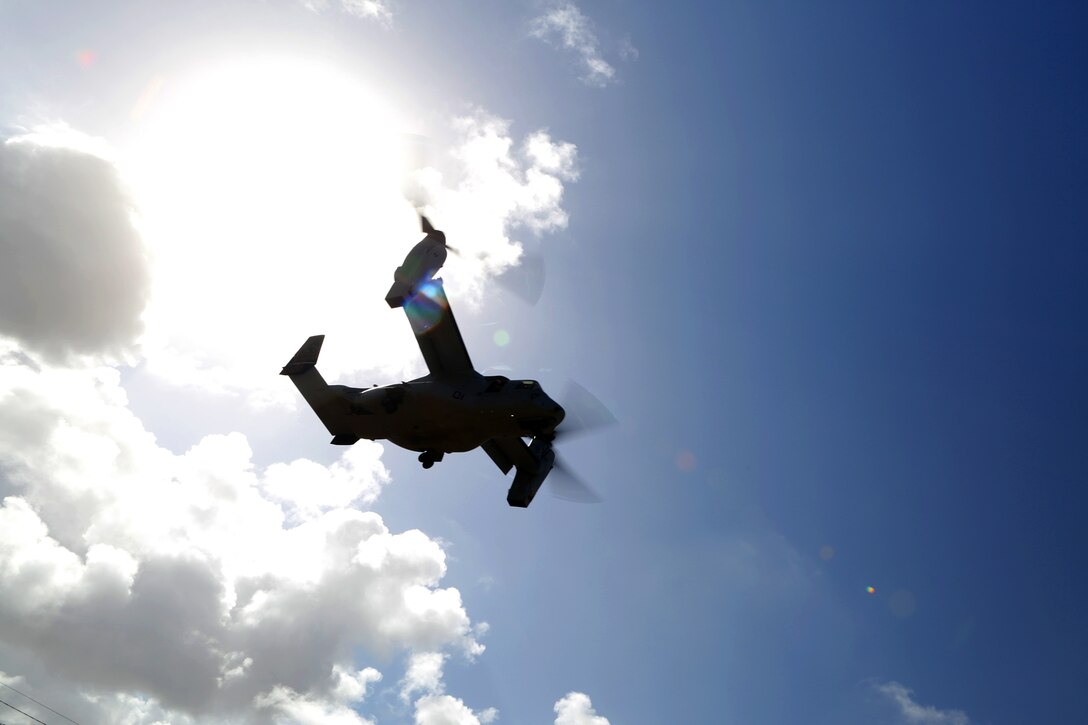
(126, 568)
(147, 585)
(197, 587)
(143, 585)
(74, 277)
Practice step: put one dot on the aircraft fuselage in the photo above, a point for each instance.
(451, 415)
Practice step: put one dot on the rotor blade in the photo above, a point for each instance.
(569, 487)
(430, 231)
(526, 279)
(584, 411)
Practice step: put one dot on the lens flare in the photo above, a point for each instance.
(502, 338)
(685, 461)
(147, 98)
(425, 308)
(870, 590)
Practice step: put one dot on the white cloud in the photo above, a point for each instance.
(74, 278)
(370, 9)
(446, 710)
(377, 9)
(127, 569)
(10, 680)
(558, 159)
(434, 707)
(566, 25)
(309, 489)
(351, 686)
(575, 708)
(152, 586)
(424, 674)
(291, 708)
(495, 187)
(916, 714)
(123, 709)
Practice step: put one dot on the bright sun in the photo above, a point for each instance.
(262, 185)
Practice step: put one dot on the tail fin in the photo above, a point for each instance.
(305, 358)
(330, 407)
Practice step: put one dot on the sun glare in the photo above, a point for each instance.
(265, 189)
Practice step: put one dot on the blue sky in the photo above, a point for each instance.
(824, 263)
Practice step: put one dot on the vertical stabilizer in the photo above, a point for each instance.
(331, 407)
(305, 358)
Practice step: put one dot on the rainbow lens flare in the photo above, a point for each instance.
(425, 308)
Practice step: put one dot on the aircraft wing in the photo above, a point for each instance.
(436, 331)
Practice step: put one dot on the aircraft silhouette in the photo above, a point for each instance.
(453, 408)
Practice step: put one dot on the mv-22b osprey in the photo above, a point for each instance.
(453, 408)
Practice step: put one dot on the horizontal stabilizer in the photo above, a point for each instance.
(305, 358)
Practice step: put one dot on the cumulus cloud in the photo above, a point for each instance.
(434, 707)
(575, 708)
(917, 714)
(444, 710)
(495, 187)
(351, 686)
(74, 279)
(197, 587)
(289, 707)
(565, 25)
(308, 488)
(424, 674)
(177, 586)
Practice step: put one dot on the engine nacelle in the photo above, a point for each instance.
(419, 267)
(527, 481)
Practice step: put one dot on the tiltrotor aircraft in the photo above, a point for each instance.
(453, 408)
